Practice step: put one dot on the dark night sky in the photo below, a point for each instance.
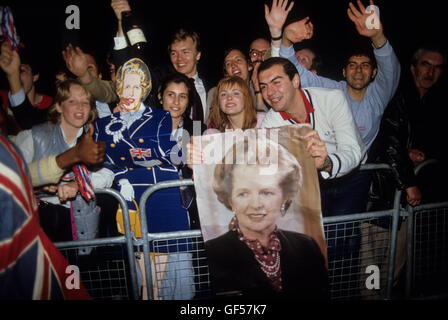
(220, 24)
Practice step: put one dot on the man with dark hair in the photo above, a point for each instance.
(22, 78)
(326, 110)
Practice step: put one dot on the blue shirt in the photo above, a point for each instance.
(369, 111)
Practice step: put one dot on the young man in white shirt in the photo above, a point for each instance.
(327, 110)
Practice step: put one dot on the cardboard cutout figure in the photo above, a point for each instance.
(138, 148)
(259, 205)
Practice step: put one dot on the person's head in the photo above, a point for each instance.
(360, 69)
(249, 188)
(133, 82)
(236, 64)
(279, 83)
(427, 67)
(27, 77)
(174, 95)
(93, 66)
(258, 49)
(232, 98)
(29, 69)
(73, 106)
(308, 59)
(185, 52)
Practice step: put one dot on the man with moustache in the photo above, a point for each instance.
(410, 133)
(410, 127)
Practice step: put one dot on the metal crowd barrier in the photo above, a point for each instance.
(176, 268)
(109, 270)
(427, 248)
(347, 275)
(427, 251)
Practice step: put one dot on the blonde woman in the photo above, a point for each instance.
(64, 214)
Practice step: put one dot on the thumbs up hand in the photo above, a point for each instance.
(89, 151)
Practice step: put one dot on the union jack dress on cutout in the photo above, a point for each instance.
(31, 267)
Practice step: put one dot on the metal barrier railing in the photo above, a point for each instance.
(126, 240)
(427, 250)
(394, 214)
(377, 232)
(144, 227)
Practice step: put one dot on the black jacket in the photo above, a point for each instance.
(233, 268)
(408, 123)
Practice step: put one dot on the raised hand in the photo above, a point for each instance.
(76, 61)
(276, 16)
(120, 6)
(10, 63)
(364, 23)
(9, 59)
(298, 31)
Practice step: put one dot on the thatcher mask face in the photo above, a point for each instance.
(133, 83)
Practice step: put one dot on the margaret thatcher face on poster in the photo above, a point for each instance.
(258, 192)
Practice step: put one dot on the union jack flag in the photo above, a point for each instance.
(31, 267)
(139, 152)
(8, 29)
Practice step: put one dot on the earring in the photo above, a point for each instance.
(283, 209)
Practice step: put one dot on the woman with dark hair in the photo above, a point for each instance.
(255, 258)
(175, 95)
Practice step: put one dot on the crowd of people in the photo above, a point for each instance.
(379, 113)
